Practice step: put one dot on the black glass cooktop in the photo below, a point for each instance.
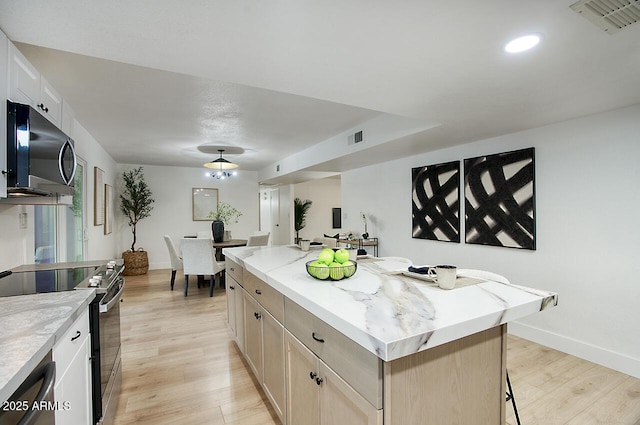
(34, 282)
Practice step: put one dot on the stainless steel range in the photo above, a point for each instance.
(104, 320)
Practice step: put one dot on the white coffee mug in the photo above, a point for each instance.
(305, 244)
(353, 254)
(444, 275)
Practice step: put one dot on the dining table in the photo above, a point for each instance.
(231, 243)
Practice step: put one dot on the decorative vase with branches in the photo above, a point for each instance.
(223, 216)
(300, 210)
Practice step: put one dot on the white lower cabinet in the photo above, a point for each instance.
(72, 390)
(316, 395)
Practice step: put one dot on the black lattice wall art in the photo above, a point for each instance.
(500, 199)
(436, 202)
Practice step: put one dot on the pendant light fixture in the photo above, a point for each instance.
(221, 166)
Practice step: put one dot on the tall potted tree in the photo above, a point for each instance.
(136, 204)
(300, 210)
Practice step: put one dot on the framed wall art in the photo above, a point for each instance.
(98, 197)
(435, 204)
(500, 199)
(108, 209)
(204, 201)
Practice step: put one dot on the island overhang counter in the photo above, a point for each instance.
(440, 354)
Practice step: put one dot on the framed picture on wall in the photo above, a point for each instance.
(98, 197)
(435, 205)
(500, 199)
(108, 209)
(336, 216)
(204, 203)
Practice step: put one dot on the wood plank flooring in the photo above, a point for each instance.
(180, 366)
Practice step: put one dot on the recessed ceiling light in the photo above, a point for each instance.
(523, 43)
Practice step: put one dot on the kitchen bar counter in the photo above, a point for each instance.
(31, 325)
(389, 314)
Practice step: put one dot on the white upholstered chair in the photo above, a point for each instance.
(258, 240)
(176, 260)
(198, 258)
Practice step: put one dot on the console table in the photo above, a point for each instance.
(362, 243)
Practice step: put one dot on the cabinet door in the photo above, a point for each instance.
(253, 335)
(24, 79)
(341, 404)
(273, 357)
(302, 390)
(50, 104)
(72, 391)
(240, 294)
(231, 305)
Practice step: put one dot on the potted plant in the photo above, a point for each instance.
(224, 216)
(135, 203)
(300, 210)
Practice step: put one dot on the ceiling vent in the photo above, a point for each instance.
(355, 138)
(609, 15)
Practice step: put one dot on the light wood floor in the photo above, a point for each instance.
(181, 367)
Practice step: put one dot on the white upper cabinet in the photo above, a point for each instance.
(27, 86)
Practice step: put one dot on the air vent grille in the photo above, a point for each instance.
(355, 138)
(609, 15)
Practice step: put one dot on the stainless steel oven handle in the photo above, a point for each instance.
(106, 307)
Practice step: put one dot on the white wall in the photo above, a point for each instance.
(172, 212)
(587, 198)
(325, 194)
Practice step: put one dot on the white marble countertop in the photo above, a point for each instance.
(390, 314)
(31, 325)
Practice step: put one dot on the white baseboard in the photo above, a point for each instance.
(592, 353)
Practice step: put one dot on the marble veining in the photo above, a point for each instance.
(390, 314)
(31, 325)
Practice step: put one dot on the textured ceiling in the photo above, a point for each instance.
(151, 80)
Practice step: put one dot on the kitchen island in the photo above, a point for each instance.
(378, 347)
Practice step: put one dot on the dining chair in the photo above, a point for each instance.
(204, 234)
(176, 260)
(258, 240)
(198, 258)
(329, 242)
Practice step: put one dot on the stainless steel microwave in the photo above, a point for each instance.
(41, 159)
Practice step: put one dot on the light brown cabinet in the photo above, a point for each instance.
(235, 311)
(264, 343)
(317, 395)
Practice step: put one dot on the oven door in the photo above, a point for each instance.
(110, 372)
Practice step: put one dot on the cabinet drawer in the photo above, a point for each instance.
(233, 269)
(269, 298)
(66, 347)
(358, 367)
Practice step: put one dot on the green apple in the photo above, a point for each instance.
(326, 256)
(312, 268)
(322, 271)
(341, 256)
(335, 271)
(349, 268)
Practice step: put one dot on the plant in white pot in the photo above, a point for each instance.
(224, 216)
(136, 203)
